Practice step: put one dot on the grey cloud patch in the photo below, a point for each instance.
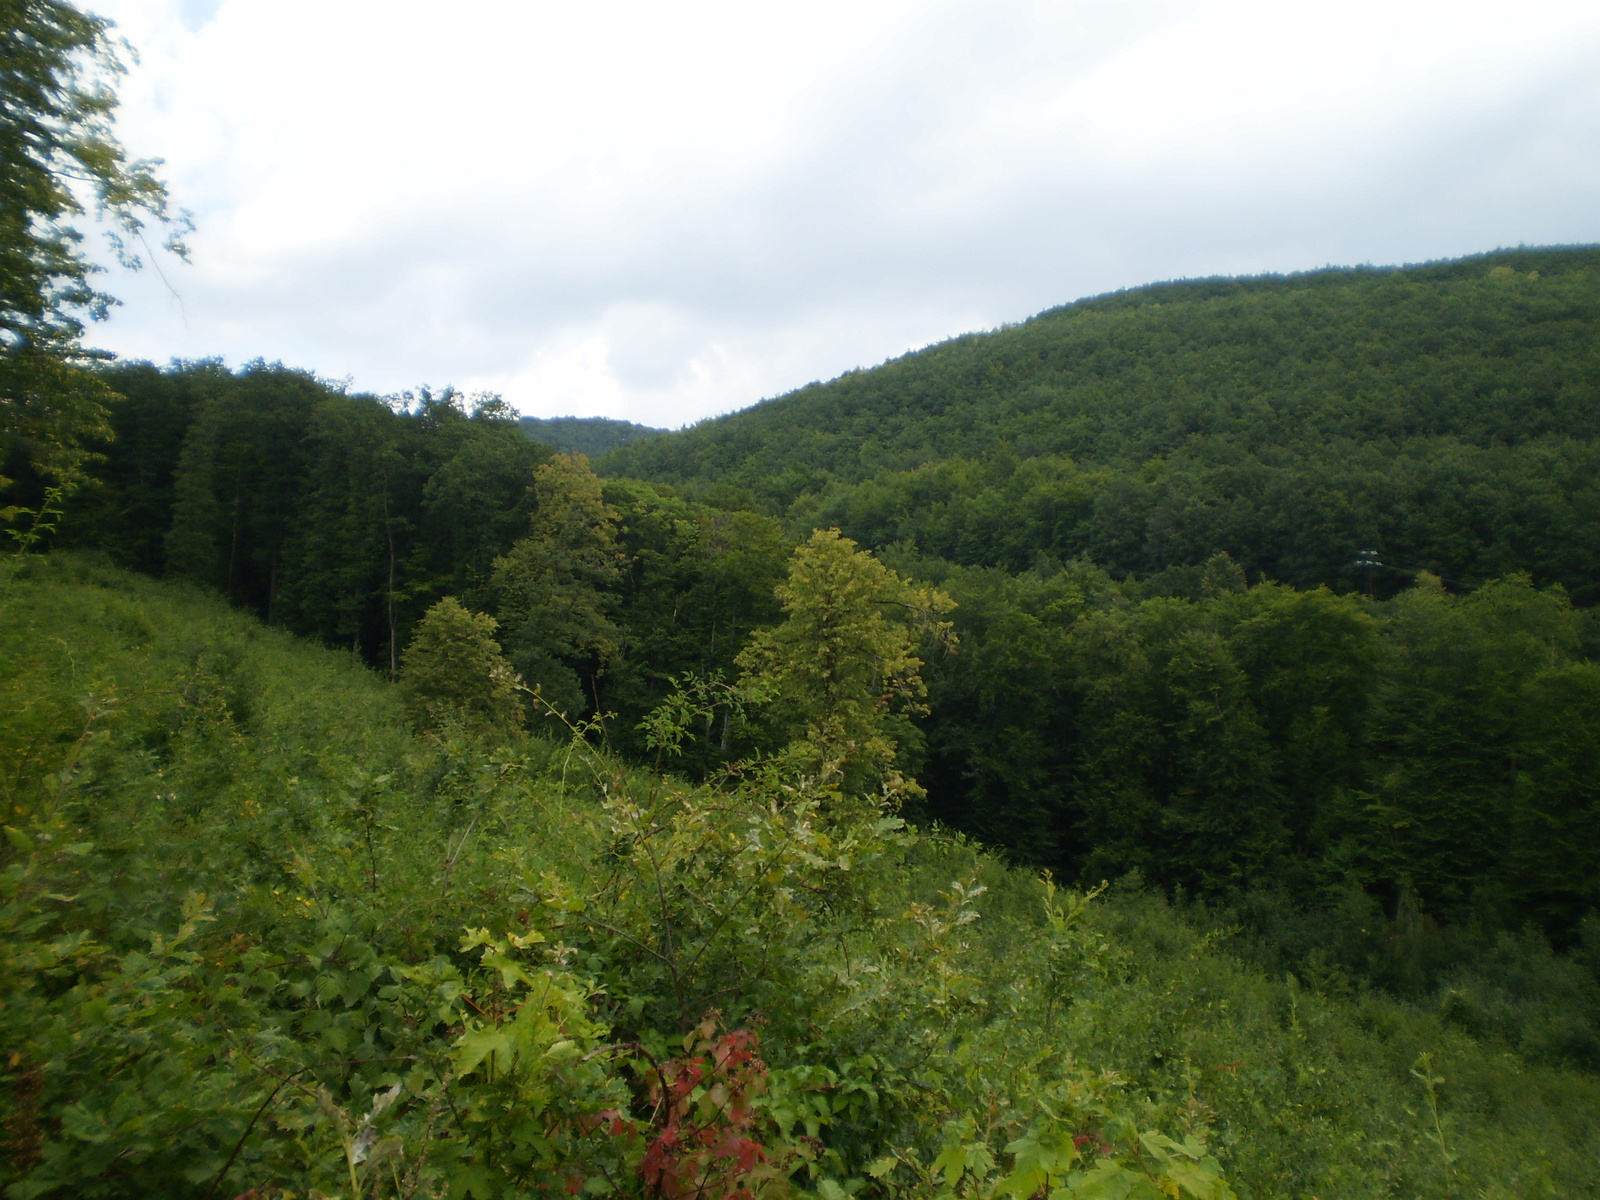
(651, 344)
(913, 201)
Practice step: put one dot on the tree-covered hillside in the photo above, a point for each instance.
(1425, 747)
(593, 436)
(1445, 416)
(1435, 751)
(1149, 753)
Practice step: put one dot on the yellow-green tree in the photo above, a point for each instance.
(454, 675)
(842, 668)
(553, 587)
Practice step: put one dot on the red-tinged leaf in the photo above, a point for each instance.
(750, 1153)
(726, 1146)
(658, 1158)
(687, 1077)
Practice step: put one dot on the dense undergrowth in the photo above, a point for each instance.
(257, 935)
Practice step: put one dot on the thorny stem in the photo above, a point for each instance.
(414, 1175)
(671, 958)
(245, 1136)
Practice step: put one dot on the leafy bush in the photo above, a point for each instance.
(455, 675)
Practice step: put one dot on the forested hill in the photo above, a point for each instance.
(1445, 415)
(584, 435)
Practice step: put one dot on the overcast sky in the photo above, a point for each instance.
(665, 211)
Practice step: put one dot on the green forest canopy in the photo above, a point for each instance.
(585, 435)
(1388, 798)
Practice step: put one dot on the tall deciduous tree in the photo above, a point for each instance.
(58, 159)
(842, 667)
(553, 586)
(239, 482)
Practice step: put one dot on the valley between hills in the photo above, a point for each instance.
(1151, 750)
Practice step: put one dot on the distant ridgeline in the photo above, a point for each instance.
(593, 436)
(1444, 415)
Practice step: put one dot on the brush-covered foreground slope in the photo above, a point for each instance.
(256, 937)
(1446, 415)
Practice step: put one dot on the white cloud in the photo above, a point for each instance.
(664, 211)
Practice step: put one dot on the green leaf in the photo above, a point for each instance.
(951, 1164)
(1022, 1183)
(20, 840)
(476, 1046)
(1202, 1180)
(1106, 1180)
(473, 1179)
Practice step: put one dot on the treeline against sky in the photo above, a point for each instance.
(1446, 416)
(585, 435)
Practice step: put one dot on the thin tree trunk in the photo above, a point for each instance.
(388, 530)
(233, 546)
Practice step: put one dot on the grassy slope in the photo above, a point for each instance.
(276, 777)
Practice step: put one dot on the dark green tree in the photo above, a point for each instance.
(239, 483)
(1003, 732)
(345, 556)
(1484, 728)
(129, 509)
(697, 581)
(479, 494)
